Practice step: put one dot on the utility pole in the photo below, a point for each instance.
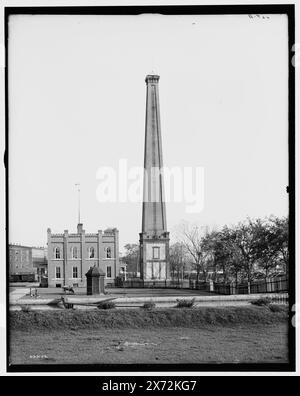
(78, 190)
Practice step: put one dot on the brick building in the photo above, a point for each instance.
(70, 256)
(27, 263)
(20, 264)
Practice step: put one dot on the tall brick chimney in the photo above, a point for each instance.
(154, 238)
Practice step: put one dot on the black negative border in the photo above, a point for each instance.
(289, 10)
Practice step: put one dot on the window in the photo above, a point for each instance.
(108, 252)
(108, 272)
(156, 253)
(57, 272)
(74, 252)
(91, 252)
(75, 272)
(57, 253)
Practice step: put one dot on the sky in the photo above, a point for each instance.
(77, 103)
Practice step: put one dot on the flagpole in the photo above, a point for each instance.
(78, 190)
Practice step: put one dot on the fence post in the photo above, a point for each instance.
(232, 288)
(249, 287)
(269, 285)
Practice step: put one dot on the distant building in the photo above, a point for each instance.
(20, 264)
(39, 261)
(70, 256)
(26, 263)
(123, 268)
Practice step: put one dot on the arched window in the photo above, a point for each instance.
(57, 253)
(108, 252)
(74, 252)
(91, 252)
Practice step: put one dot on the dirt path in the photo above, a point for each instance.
(17, 293)
(247, 344)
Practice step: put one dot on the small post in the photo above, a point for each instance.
(233, 288)
(269, 285)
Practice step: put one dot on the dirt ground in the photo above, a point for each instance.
(52, 292)
(230, 344)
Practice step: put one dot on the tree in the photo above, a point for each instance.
(224, 253)
(238, 251)
(211, 248)
(280, 241)
(131, 257)
(193, 238)
(266, 249)
(177, 260)
(245, 237)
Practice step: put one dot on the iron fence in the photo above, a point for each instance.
(265, 286)
(155, 284)
(279, 285)
(282, 298)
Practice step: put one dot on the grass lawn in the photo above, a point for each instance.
(201, 335)
(230, 344)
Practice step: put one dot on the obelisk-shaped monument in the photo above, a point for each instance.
(154, 238)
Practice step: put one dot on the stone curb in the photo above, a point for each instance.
(140, 300)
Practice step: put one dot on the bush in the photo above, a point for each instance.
(185, 303)
(69, 306)
(262, 302)
(25, 308)
(278, 308)
(149, 305)
(106, 305)
(119, 281)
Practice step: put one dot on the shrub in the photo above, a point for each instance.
(261, 302)
(69, 306)
(278, 308)
(185, 303)
(149, 305)
(106, 305)
(25, 308)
